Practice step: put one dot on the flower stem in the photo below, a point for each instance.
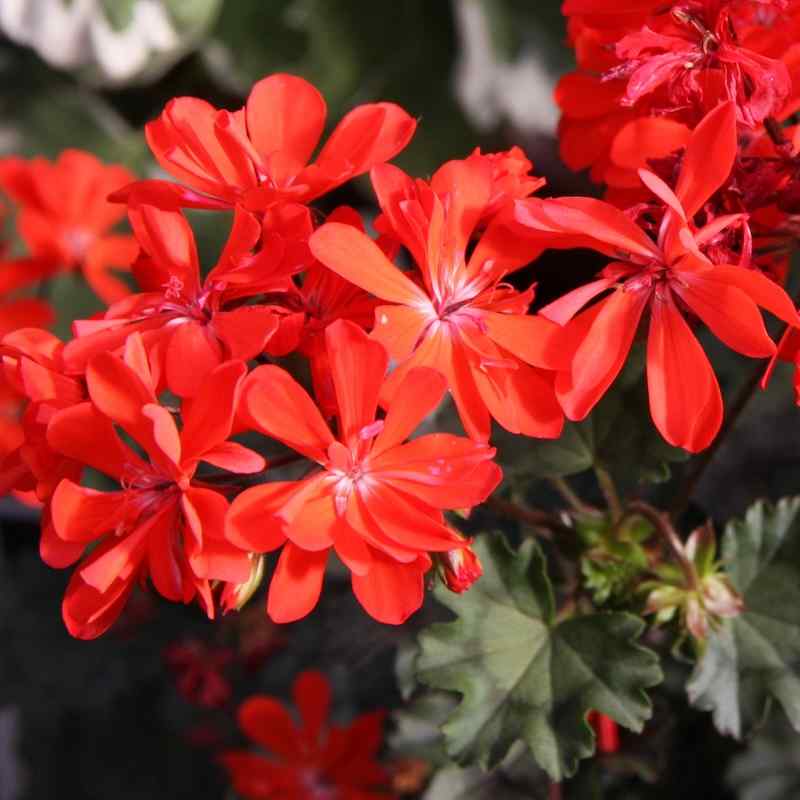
(569, 494)
(544, 521)
(609, 491)
(663, 526)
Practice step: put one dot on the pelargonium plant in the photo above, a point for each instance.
(371, 393)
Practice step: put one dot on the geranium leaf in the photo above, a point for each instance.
(525, 675)
(754, 659)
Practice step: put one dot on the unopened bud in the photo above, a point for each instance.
(235, 595)
(460, 569)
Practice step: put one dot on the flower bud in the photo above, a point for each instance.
(459, 569)
(235, 595)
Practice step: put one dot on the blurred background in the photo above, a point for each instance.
(140, 713)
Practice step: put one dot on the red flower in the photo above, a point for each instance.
(162, 523)
(199, 672)
(699, 59)
(258, 156)
(33, 369)
(310, 761)
(375, 500)
(463, 320)
(65, 218)
(606, 731)
(669, 275)
(194, 325)
(322, 298)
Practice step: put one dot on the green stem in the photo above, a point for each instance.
(609, 491)
(541, 520)
(569, 494)
(665, 530)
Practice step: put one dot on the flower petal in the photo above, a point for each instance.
(275, 404)
(285, 116)
(356, 258)
(390, 592)
(296, 583)
(708, 159)
(685, 400)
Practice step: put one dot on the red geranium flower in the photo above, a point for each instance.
(195, 324)
(669, 276)
(463, 320)
(312, 760)
(258, 156)
(375, 500)
(199, 670)
(65, 218)
(162, 523)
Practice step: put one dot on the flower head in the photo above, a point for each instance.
(310, 759)
(65, 218)
(259, 155)
(373, 499)
(459, 318)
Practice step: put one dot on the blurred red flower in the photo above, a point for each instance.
(309, 760)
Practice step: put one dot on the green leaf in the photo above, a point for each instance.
(770, 768)
(517, 778)
(524, 675)
(754, 659)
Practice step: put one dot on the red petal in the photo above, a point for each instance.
(312, 696)
(368, 135)
(759, 288)
(685, 400)
(399, 329)
(731, 314)
(245, 331)
(418, 395)
(82, 515)
(708, 159)
(358, 366)
(391, 592)
(285, 115)
(356, 258)
(535, 339)
(443, 470)
(603, 351)
(266, 722)
(408, 521)
(208, 417)
(277, 405)
(251, 522)
(167, 238)
(192, 354)
(235, 457)
(296, 583)
(84, 434)
(88, 613)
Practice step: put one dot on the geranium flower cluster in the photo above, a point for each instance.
(130, 433)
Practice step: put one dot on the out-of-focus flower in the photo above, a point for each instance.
(312, 760)
(199, 671)
(65, 219)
